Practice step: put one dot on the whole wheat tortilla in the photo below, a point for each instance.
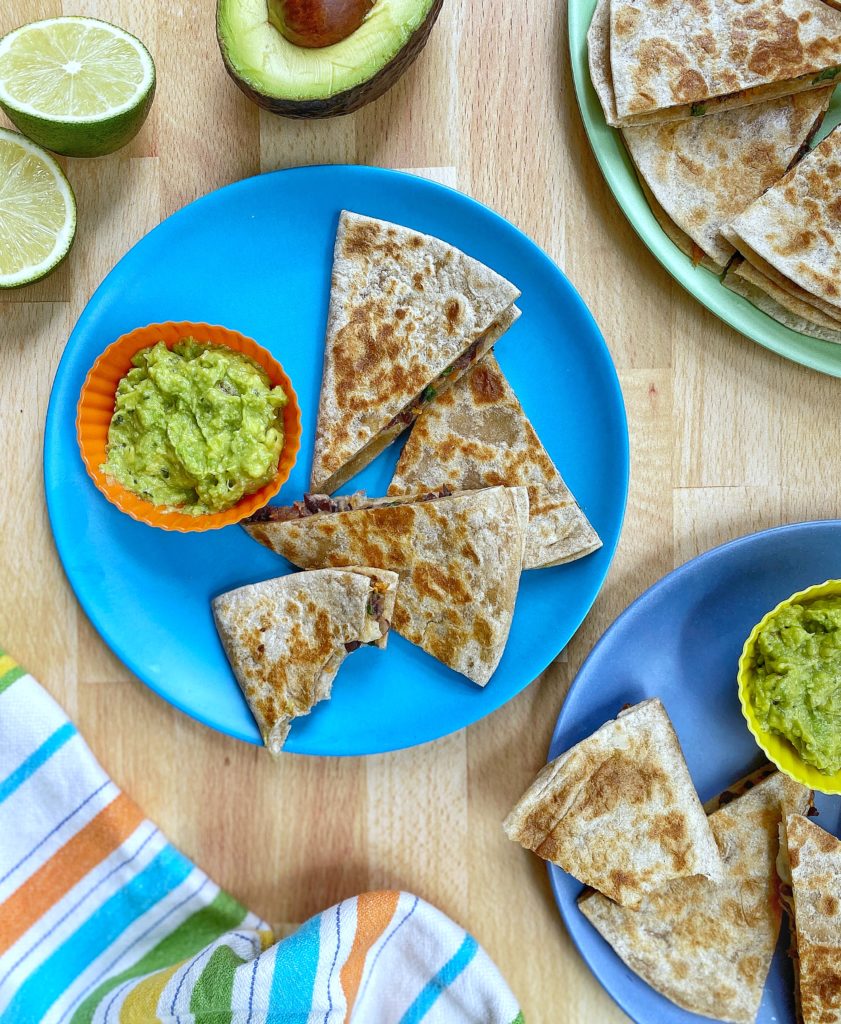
(477, 435)
(699, 173)
(707, 170)
(459, 560)
(814, 859)
(404, 307)
(286, 638)
(618, 810)
(745, 280)
(598, 58)
(672, 59)
(706, 945)
(795, 227)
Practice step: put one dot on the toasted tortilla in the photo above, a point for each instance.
(598, 58)
(706, 170)
(477, 435)
(699, 173)
(795, 227)
(810, 877)
(618, 810)
(408, 312)
(706, 945)
(671, 60)
(459, 559)
(286, 638)
(792, 312)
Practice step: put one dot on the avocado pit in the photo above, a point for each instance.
(317, 23)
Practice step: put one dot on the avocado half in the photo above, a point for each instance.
(299, 82)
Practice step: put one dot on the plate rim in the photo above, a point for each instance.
(555, 873)
(53, 429)
(674, 262)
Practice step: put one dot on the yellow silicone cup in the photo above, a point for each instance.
(776, 748)
(96, 407)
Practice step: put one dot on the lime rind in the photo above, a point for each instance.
(59, 55)
(50, 196)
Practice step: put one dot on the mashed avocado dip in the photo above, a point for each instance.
(195, 427)
(796, 684)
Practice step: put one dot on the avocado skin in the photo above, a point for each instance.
(351, 99)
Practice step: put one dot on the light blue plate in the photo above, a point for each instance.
(256, 257)
(681, 642)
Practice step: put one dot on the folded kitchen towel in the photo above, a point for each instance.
(103, 920)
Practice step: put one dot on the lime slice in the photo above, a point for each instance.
(77, 86)
(37, 211)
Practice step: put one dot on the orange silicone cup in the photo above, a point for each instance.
(96, 407)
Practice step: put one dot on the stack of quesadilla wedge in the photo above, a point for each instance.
(619, 811)
(670, 60)
(286, 638)
(790, 239)
(699, 173)
(707, 945)
(408, 315)
(477, 435)
(810, 881)
(459, 558)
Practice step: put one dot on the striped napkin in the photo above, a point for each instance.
(102, 921)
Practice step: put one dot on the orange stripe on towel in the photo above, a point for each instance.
(374, 910)
(67, 866)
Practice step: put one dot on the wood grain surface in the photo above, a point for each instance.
(726, 438)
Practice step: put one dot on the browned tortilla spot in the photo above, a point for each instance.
(621, 778)
(482, 632)
(771, 55)
(828, 905)
(626, 20)
(486, 386)
(453, 313)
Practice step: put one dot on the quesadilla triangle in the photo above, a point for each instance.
(810, 888)
(408, 315)
(707, 945)
(671, 60)
(793, 232)
(618, 810)
(703, 172)
(781, 305)
(286, 638)
(698, 174)
(459, 558)
(477, 435)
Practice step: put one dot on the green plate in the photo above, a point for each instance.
(618, 171)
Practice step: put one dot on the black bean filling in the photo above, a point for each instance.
(413, 408)
(312, 504)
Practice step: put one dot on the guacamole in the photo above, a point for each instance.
(796, 683)
(195, 427)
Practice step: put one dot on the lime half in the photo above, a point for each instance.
(37, 212)
(77, 86)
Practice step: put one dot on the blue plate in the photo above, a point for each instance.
(256, 257)
(681, 642)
